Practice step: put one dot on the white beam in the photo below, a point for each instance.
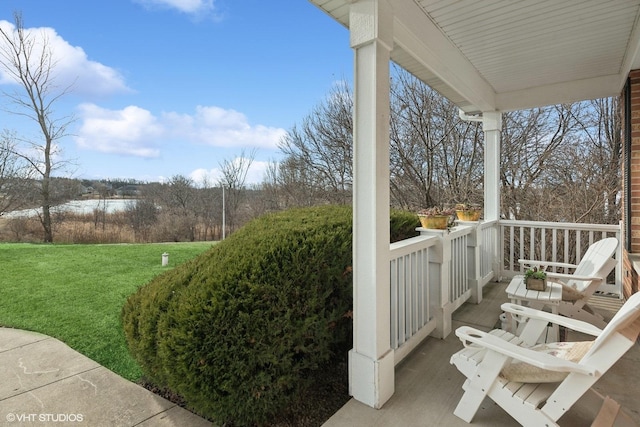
(559, 93)
(424, 41)
(371, 361)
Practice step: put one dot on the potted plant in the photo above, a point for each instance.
(466, 212)
(535, 279)
(436, 218)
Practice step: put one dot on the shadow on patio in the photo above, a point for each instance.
(427, 387)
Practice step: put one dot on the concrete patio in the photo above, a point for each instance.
(43, 382)
(428, 388)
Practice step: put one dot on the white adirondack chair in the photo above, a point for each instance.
(537, 384)
(579, 286)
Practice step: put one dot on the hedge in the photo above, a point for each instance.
(238, 331)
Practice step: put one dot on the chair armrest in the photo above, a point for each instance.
(551, 274)
(468, 334)
(573, 324)
(546, 263)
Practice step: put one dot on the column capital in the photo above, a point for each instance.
(369, 21)
(491, 120)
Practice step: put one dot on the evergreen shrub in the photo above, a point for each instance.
(238, 331)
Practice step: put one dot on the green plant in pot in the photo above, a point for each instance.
(535, 279)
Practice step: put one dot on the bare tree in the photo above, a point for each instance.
(14, 175)
(271, 195)
(598, 181)
(29, 61)
(234, 175)
(141, 214)
(209, 208)
(182, 199)
(558, 163)
(319, 152)
(537, 148)
(436, 157)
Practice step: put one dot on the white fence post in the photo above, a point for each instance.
(474, 243)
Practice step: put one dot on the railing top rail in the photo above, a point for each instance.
(460, 230)
(409, 245)
(487, 224)
(562, 225)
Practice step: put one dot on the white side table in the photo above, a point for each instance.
(551, 297)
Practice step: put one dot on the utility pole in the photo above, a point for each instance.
(224, 226)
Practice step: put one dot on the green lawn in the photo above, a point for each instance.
(75, 292)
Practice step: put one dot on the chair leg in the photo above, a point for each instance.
(478, 385)
(469, 403)
(607, 414)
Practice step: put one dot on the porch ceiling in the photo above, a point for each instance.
(507, 55)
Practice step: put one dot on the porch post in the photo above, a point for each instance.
(371, 361)
(492, 126)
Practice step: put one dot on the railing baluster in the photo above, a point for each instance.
(566, 246)
(425, 286)
(394, 303)
(578, 246)
(554, 245)
(414, 294)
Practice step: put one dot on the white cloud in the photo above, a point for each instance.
(72, 66)
(131, 131)
(255, 174)
(218, 127)
(210, 176)
(137, 132)
(191, 7)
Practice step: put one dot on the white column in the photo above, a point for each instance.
(371, 361)
(491, 125)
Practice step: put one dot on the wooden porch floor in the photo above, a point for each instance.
(428, 387)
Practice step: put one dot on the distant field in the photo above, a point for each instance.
(75, 292)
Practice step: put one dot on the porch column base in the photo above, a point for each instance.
(371, 381)
(476, 292)
(443, 322)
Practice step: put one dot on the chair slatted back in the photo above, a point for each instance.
(626, 323)
(593, 261)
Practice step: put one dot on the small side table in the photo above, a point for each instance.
(519, 294)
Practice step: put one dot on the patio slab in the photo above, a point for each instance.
(43, 382)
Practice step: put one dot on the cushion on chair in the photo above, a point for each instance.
(525, 373)
(570, 293)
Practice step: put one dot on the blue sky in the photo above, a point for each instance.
(168, 87)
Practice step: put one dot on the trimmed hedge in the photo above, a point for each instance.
(237, 331)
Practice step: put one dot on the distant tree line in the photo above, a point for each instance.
(558, 163)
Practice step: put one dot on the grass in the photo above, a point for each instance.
(75, 292)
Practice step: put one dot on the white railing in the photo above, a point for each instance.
(458, 241)
(431, 276)
(435, 273)
(415, 263)
(555, 242)
(488, 249)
